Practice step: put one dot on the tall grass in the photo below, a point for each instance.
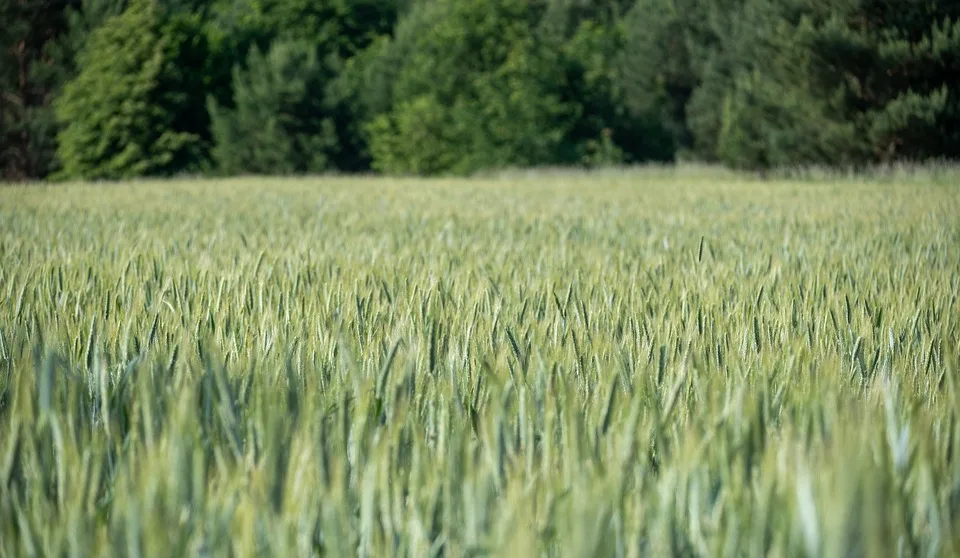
(626, 365)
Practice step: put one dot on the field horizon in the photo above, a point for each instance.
(672, 361)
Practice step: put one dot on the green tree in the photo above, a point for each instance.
(83, 18)
(29, 76)
(475, 85)
(605, 131)
(667, 47)
(339, 31)
(278, 125)
(766, 123)
(798, 82)
(895, 67)
(133, 108)
(772, 114)
(41, 40)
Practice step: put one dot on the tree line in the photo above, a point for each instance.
(113, 89)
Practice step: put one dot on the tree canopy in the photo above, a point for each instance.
(122, 88)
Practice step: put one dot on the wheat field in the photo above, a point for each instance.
(625, 363)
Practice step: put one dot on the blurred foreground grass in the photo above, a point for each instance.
(619, 364)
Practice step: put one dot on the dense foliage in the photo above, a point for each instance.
(279, 124)
(455, 86)
(136, 105)
(564, 366)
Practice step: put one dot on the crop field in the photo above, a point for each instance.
(626, 363)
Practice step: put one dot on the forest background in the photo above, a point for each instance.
(118, 89)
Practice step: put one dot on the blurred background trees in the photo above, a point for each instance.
(122, 88)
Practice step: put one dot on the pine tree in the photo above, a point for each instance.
(771, 113)
(896, 68)
(278, 124)
(339, 32)
(29, 75)
(801, 82)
